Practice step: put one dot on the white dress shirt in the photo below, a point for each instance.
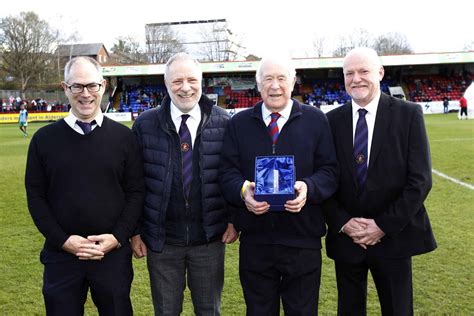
(192, 122)
(285, 115)
(71, 119)
(369, 118)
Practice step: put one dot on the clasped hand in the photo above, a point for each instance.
(94, 247)
(363, 231)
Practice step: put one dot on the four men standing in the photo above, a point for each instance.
(193, 158)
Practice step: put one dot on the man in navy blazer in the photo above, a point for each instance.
(377, 220)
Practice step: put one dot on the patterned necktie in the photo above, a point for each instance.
(273, 127)
(360, 148)
(86, 127)
(186, 155)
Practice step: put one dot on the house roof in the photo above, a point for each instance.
(81, 49)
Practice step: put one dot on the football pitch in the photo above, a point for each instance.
(442, 280)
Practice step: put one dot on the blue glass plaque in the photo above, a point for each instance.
(275, 180)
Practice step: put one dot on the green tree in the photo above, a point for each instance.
(27, 44)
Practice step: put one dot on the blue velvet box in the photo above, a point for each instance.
(276, 193)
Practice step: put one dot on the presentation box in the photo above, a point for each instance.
(275, 180)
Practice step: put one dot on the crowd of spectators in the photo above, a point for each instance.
(12, 105)
(141, 98)
(437, 87)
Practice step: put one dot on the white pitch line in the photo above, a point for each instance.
(442, 175)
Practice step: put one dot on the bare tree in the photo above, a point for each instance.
(469, 46)
(392, 43)
(358, 38)
(319, 45)
(217, 42)
(27, 44)
(128, 51)
(161, 43)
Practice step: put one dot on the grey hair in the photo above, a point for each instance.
(367, 52)
(285, 61)
(181, 56)
(70, 63)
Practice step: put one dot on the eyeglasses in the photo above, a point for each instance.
(78, 88)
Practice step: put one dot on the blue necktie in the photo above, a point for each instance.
(186, 155)
(86, 127)
(273, 127)
(360, 148)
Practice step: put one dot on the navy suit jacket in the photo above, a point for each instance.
(398, 182)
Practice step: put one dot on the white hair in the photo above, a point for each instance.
(284, 61)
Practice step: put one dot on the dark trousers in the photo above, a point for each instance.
(392, 278)
(271, 272)
(65, 284)
(203, 266)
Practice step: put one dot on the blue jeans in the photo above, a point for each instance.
(202, 265)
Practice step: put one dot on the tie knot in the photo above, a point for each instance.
(184, 117)
(362, 112)
(86, 127)
(275, 116)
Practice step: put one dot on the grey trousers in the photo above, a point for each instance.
(202, 266)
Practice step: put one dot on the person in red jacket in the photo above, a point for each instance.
(463, 105)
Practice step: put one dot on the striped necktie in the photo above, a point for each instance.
(360, 148)
(186, 155)
(273, 127)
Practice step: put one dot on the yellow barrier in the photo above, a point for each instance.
(33, 117)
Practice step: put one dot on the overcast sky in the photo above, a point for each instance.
(266, 25)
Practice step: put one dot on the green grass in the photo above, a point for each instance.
(442, 279)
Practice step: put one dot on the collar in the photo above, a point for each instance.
(285, 113)
(371, 107)
(176, 113)
(71, 119)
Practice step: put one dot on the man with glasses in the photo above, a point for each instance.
(85, 190)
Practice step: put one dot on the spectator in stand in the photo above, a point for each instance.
(87, 227)
(23, 120)
(18, 102)
(377, 220)
(463, 106)
(280, 251)
(185, 224)
(446, 105)
(33, 105)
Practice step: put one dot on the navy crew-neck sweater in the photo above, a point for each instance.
(84, 184)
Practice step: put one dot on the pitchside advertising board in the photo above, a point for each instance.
(54, 116)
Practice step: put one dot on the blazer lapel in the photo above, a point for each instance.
(345, 130)
(382, 123)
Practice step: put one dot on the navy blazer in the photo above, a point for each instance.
(398, 182)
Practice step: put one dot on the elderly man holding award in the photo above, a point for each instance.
(278, 165)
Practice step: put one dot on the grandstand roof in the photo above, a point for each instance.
(80, 49)
(302, 63)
